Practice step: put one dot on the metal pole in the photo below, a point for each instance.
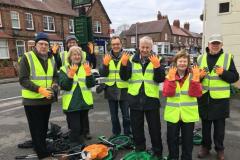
(136, 37)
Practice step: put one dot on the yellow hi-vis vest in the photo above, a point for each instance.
(151, 88)
(212, 82)
(114, 77)
(80, 79)
(38, 75)
(181, 106)
(64, 57)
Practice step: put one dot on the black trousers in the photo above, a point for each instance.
(173, 130)
(137, 124)
(38, 117)
(77, 121)
(85, 125)
(218, 133)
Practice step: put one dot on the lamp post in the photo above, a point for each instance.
(136, 36)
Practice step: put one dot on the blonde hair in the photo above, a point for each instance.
(74, 49)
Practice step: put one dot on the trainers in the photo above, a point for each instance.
(220, 155)
(204, 152)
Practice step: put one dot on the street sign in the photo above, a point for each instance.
(77, 3)
(83, 29)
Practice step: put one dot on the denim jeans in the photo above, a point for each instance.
(116, 127)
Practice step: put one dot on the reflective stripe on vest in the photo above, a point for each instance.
(64, 57)
(79, 78)
(151, 88)
(114, 77)
(212, 82)
(181, 106)
(38, 75)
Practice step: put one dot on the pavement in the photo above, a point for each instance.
(8, 80)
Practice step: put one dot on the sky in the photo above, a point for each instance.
(132, 11)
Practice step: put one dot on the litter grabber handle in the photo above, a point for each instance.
(103, 138)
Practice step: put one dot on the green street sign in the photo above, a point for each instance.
(83, 29)
(77, 3)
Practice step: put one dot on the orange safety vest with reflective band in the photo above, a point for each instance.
(212, 82)
(181, 106)
(38, 76)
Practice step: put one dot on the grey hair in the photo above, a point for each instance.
(77, 49)
(146, 39)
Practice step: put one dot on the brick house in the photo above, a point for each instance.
(159, 30)
(21, 19)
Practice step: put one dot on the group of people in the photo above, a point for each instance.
(131, 84)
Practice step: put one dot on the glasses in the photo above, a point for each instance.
(115, 44)
(43, 44)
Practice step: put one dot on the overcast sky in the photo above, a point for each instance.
(132, 11)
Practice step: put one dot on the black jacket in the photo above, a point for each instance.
(25, 82)
(212, 109)
(142, 101)
(113, 92)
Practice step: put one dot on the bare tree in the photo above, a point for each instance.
(121, 28)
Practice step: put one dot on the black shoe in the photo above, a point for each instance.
(26, 144)
(88, 136)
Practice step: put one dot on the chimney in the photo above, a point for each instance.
(159, 15)
(186, 26)
(176, 23)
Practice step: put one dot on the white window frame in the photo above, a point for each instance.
(6, 48)
(17, 19)
(48, 24)
(165, 36)
(60, 43)
(174, 39)
(31, 19)
(20, 46)
(98, 27)
(1, 25)
(71, 26)
(133, 39)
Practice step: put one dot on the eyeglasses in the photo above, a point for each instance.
(115, 44)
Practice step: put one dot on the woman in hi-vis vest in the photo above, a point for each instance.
(181, 87)
(76, 81)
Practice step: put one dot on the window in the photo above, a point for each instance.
(224, 7)
(60, 43)
(166, 36)
(159, 48)
(0, 20)
(4, 54)
(133, 39)
(179, 38)
(20, 45)
(174, 39)
(48, 23)
(166, 49)
(29, 21)
(97, 27)
(15, 20)
(71, 26)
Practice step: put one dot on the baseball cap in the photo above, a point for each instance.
(215, 38)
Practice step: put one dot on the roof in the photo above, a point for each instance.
(178, 31)
(101, 5)
(193, 34)
(54, 6)
(147, 27)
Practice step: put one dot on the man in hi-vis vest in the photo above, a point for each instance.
(38, 75)
(218, 72)
(144, 73)
(116, 89)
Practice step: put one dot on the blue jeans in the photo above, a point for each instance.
(116, 127)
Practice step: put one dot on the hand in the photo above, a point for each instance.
(90, 47)
(196, 73)
(45, 92)
(219, 70)
(55, 48)
(155, 61)
(106, 59)
(124, 59)
(72, 70)
(203, 73)
(87, 68)
(171, 73)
